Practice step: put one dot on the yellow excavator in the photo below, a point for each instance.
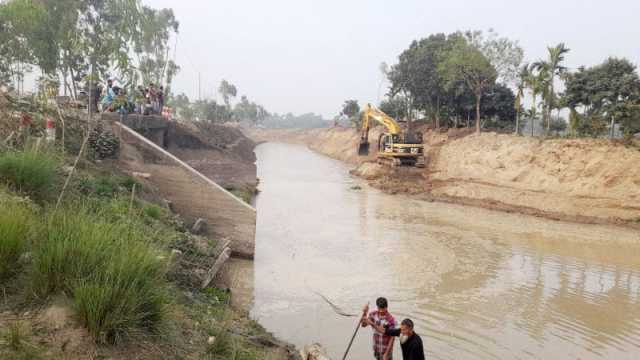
(396, 147)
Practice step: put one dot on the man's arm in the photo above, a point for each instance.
(378, 328)
(392, 332)
(364, 321)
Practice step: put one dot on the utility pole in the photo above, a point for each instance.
(199, 88)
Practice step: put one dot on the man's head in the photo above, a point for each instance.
(110, 83)
(382, 304)
(406, 327)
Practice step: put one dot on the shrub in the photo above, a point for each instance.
(15, 225)
(30, 172)
(115, 277)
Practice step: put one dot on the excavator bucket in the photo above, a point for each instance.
(363, 149)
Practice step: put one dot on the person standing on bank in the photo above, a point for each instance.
(410, 342)
(380, 320)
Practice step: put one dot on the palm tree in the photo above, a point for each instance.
(522, 83)
(536, 80)
(553, 68)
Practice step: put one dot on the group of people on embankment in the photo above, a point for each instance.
(144, 101)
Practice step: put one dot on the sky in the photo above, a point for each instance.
(304, 56)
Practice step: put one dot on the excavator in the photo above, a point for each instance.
(396, 147)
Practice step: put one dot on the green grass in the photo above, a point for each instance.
(217, 296)
(108, 186)
(115, 277)
(30, 172)
(15, 227)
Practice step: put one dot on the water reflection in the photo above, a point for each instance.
(479, 284)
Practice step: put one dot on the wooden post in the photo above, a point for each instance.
(224, 256)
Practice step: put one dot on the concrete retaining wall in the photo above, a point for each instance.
(192, 194)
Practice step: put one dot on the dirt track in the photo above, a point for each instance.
(582, 180)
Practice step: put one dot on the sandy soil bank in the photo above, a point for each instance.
(582, 180)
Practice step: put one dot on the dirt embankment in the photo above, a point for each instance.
(584, 180)
(222, 153)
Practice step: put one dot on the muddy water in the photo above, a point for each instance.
(478, 284)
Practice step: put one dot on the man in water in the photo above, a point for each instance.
(380, 320)
(410, 342)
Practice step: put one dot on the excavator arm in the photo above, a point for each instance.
(370, 114)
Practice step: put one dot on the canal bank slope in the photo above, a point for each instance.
(582, 180)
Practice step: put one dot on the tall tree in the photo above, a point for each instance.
(465, 63)
(227, 91)
(521, 84)
(553, 67)
(350, 108)
(504, 54)
(535, 80)
(155, 64)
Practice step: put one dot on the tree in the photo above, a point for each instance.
(183, 107)
(505, 55)
(416, 79)
(74, 37)
(553, 68)
(465, 63)
(210, 110)
(534, 79)
(497, 105)
(153, 50)
(350, 108)
(246, 110)
(605, 93)
(228, 91)
(523, 75)
(394, 107)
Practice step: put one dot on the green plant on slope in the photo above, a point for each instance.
(115, 277)
(15, 226)
(30, 172)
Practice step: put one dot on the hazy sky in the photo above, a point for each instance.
(309, 56)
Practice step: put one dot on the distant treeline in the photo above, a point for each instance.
(290, 121)
(474, 77)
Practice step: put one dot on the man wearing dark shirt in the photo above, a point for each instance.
(410, 342)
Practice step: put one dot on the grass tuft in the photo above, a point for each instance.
(115, 277)
(15, 227)
(30, 172)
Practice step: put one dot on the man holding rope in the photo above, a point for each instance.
(380, 319)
